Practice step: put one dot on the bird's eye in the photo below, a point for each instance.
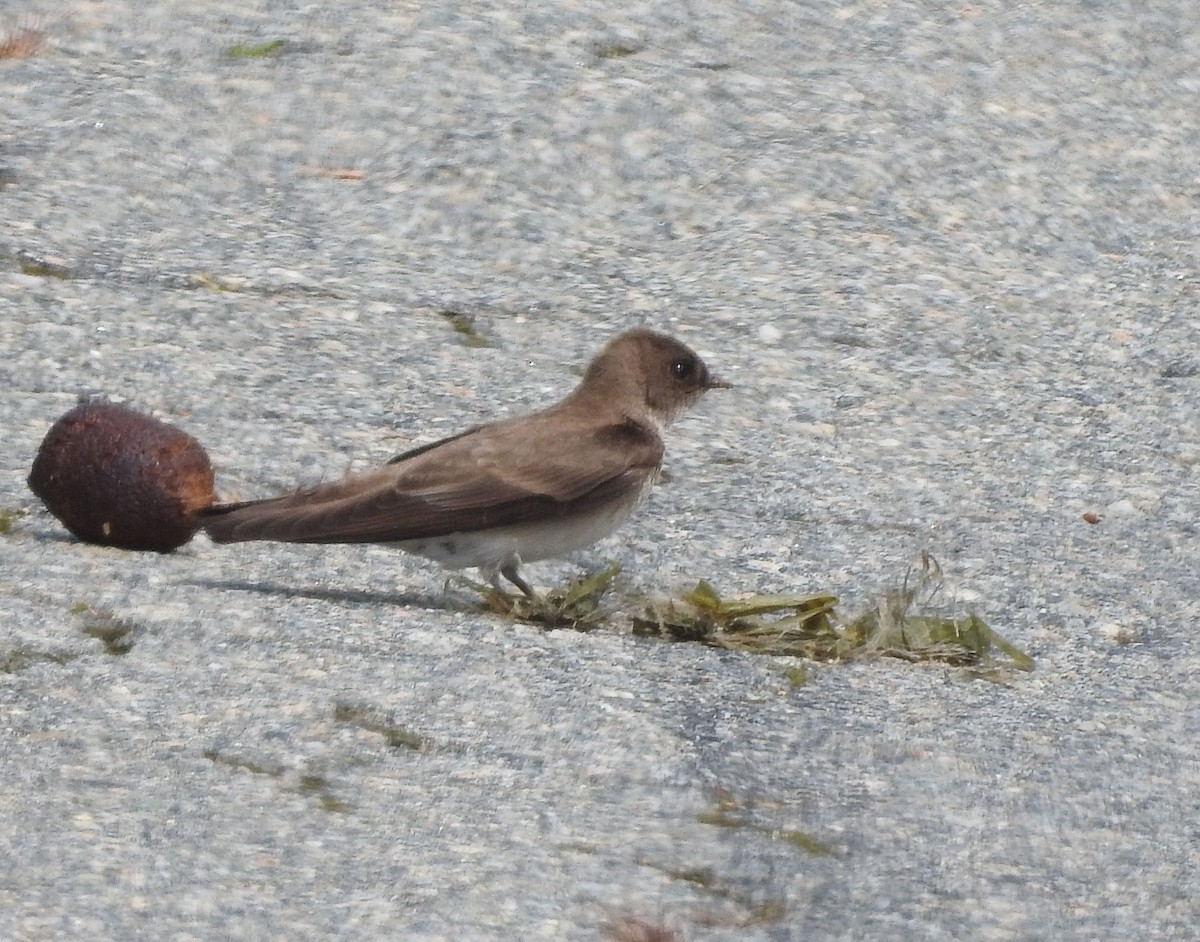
(682, 369)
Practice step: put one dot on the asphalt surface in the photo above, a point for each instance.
(946, 252)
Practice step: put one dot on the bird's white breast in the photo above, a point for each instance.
(528, 542)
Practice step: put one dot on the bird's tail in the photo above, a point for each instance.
(238, 522)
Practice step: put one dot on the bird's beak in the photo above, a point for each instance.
(717, 383)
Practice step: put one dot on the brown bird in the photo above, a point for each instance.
(519, 490)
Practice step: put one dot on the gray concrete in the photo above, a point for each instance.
(946, 251)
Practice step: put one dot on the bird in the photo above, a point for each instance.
(510, 492)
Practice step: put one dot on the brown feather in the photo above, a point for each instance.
(475, 481)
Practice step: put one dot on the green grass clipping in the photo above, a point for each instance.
(905, 623)
(910, 622)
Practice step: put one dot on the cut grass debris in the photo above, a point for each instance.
(806, 628)
(396, 736)
(319, 787)
(728, 812)
(905, 623)
(114, 633)
(309, 785)
(45, 269)
(575, 605)
(464, 325)
(244, 764)
(902, 624)
(267, 50)
(9, 516)
(215, 283)
(749, 908)
(615, 50)
(17, 659)
(632, 929)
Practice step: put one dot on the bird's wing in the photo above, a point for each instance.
(498, 475)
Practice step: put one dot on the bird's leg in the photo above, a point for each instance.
(508, 569)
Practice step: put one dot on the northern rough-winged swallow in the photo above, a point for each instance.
(520, 490)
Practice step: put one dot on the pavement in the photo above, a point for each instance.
(947, 254)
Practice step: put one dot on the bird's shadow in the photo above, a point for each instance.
(444, 601)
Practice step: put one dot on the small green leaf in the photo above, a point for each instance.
(265, 50)
(704, 596)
